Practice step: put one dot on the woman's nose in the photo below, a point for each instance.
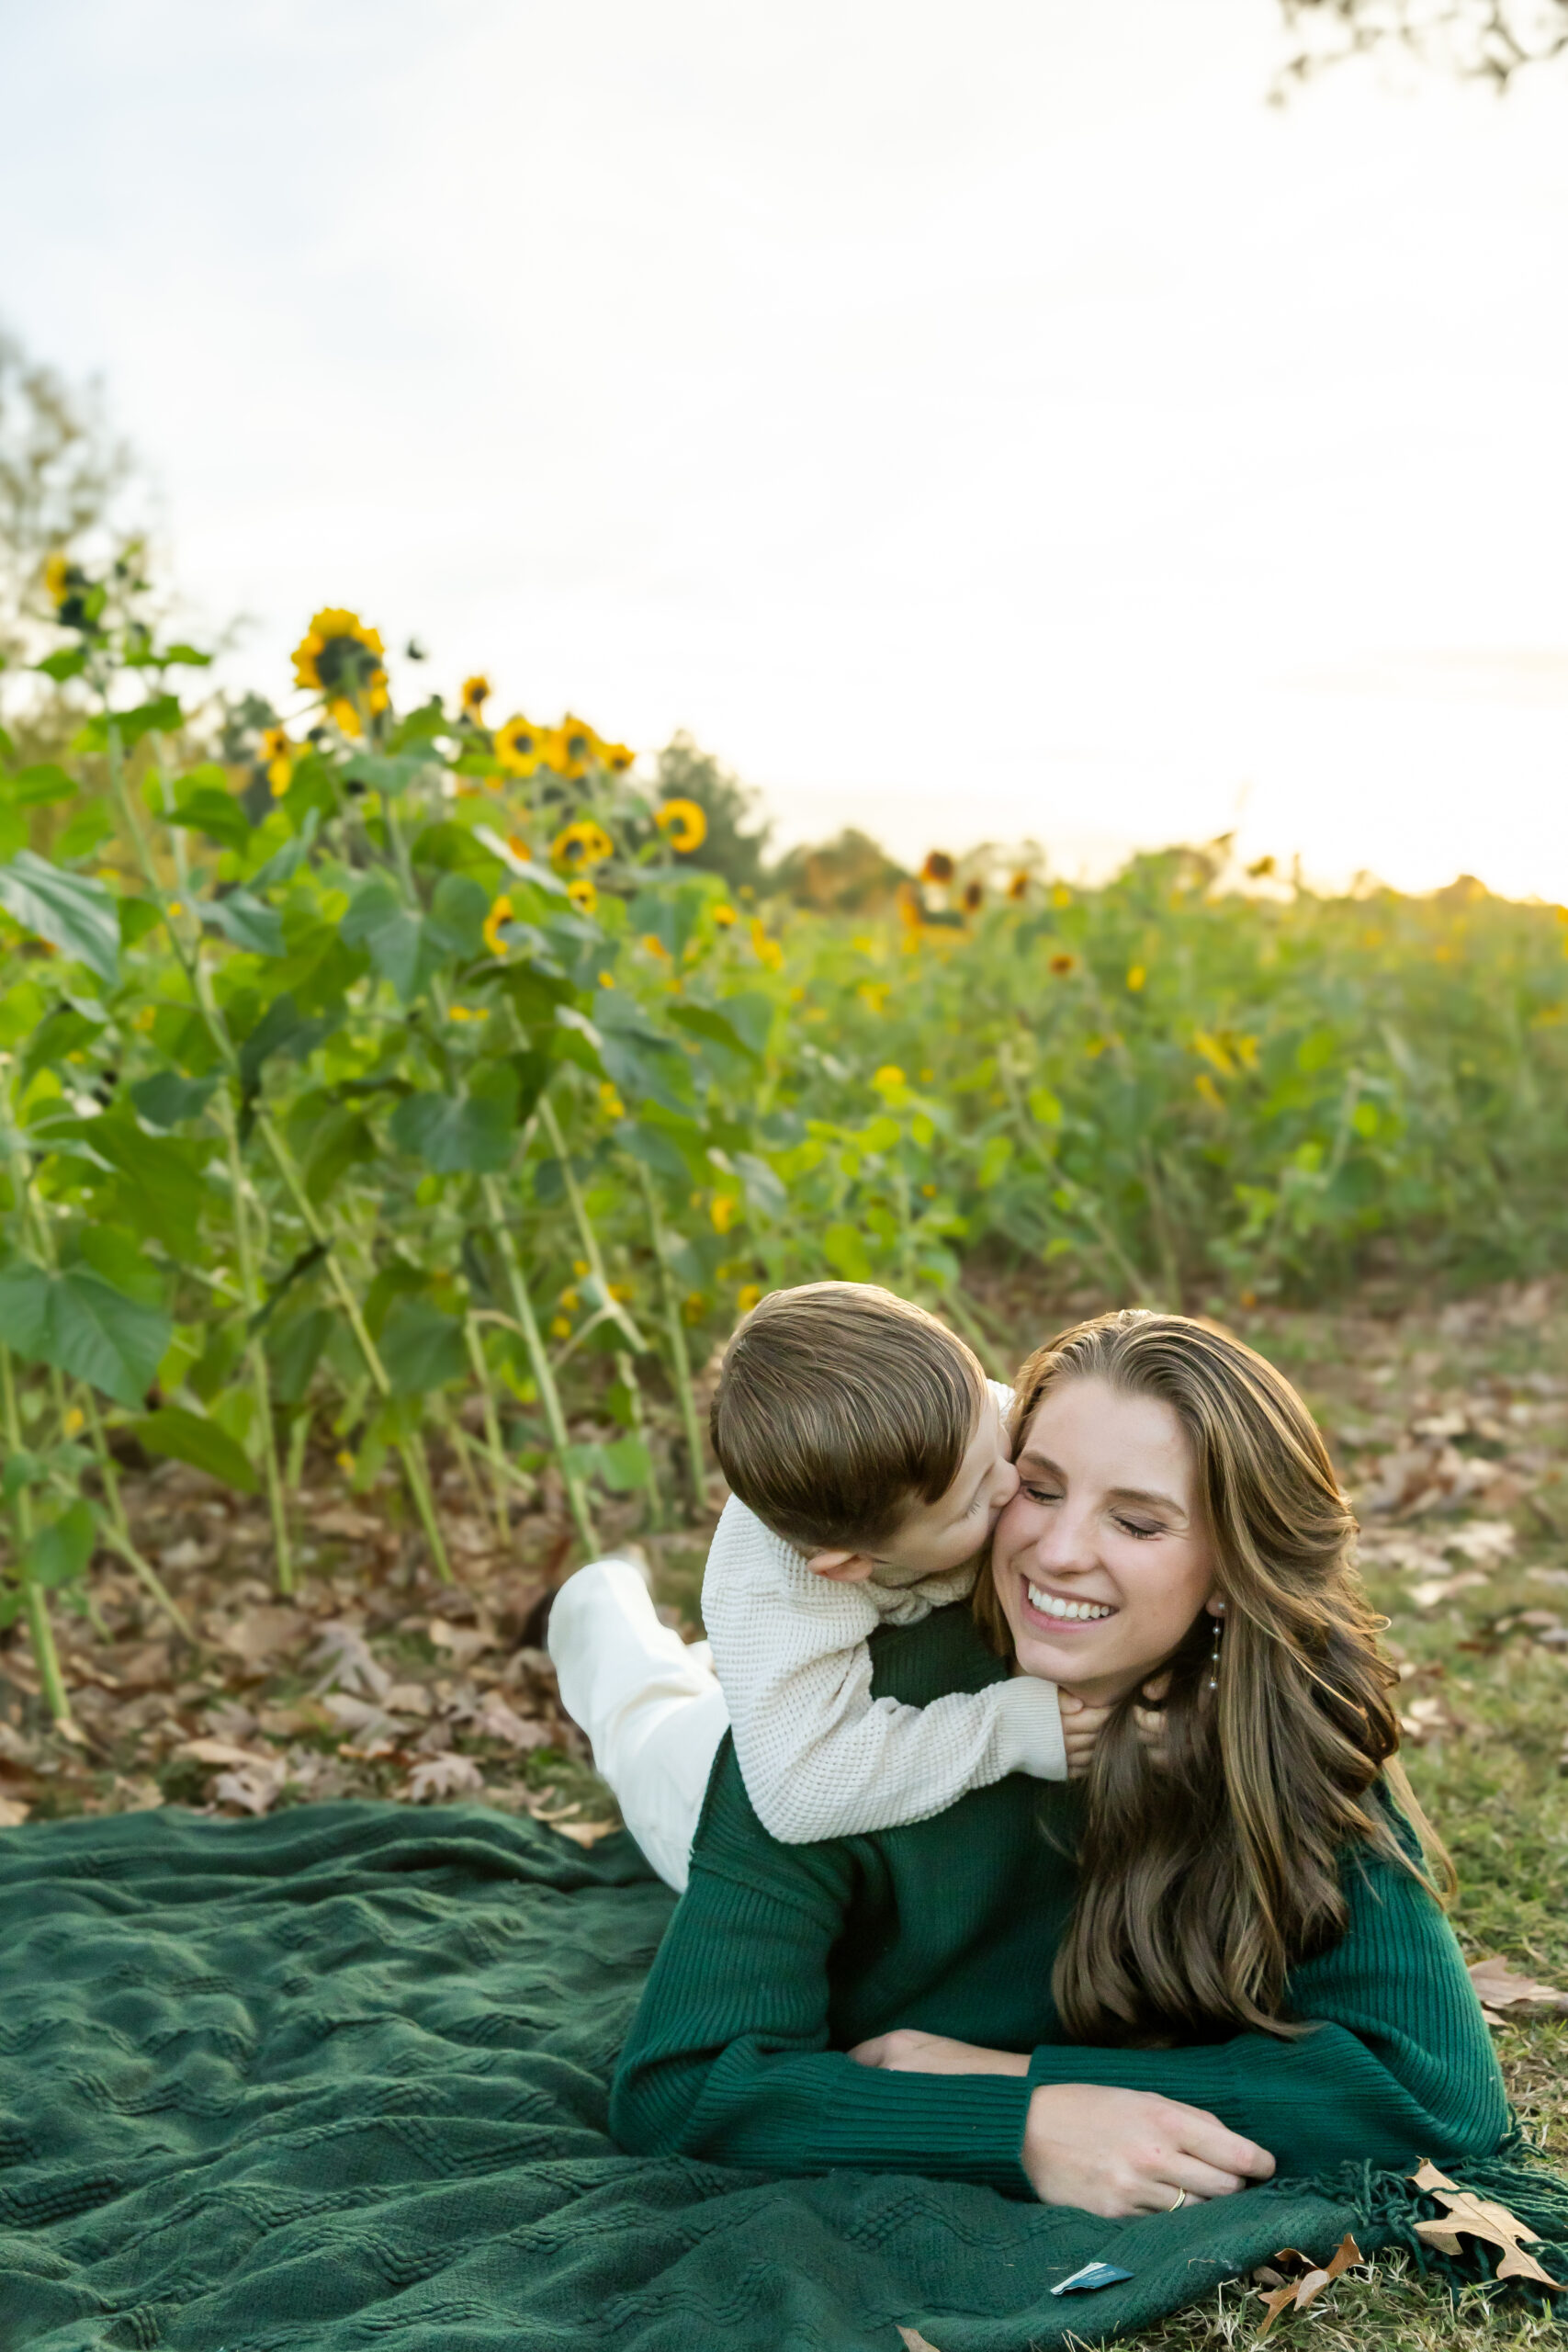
(1063, 1545)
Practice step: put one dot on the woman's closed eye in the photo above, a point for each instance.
(1132, 1527)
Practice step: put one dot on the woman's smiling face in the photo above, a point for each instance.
(1102, 1559)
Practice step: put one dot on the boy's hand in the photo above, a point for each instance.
(908, 2051)
(1081, 1727)
(1082, 1724)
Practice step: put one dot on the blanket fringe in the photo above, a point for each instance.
(1516, 2174)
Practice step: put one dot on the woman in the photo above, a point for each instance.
(1160, 1985)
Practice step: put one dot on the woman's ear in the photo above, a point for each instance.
(842, 1567)
(1214, 1605)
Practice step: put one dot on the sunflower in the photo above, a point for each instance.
(574, 747)
(520, 746)
(582, 845)
(342, 660)
(683, 824)
(500, 912)
(476, 694)
(974, 898)
(725, 916)
(911, 907)
(1019, 886)
(582, 895)
(278, 758)
(579, 749)
(67, 587)
(1062, 966)
(938, 866)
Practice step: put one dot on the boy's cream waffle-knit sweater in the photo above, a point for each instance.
(820, 1756)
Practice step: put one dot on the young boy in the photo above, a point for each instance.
(868, 1461)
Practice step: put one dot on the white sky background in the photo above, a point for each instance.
(971, 418)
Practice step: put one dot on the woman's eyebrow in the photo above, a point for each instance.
(1149, 1495)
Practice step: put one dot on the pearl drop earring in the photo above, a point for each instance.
(1215, 1652)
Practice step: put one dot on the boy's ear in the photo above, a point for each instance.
(840, 1567)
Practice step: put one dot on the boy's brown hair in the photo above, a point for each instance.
(841, 1407)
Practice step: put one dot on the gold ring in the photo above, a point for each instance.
(1179, 2202)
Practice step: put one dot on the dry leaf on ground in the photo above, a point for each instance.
(1479, 2217)
(1505, 1995)
(443, 1776)
(915, 2342)
(586, 1833)
(1297, 2293)
(262, 1632)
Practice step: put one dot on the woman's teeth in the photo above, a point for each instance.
(1050, 1606)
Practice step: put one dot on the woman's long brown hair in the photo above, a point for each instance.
(1205, 1878)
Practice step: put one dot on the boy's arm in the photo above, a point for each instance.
(820, 1756)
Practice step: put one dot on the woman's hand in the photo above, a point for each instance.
(1118, 2152)
(906, 2051)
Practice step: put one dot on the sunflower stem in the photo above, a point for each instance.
(626, 1368)
(539, 1363)
(41, 1633)
(675, 1332)
(117, 1533)
(495, 1451)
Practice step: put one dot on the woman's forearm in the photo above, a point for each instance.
(728, 2057)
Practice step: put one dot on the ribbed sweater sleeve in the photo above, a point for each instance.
(1398, 2064)
(820, 1756)
(729, 2059)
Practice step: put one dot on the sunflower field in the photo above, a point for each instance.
(398, 1090)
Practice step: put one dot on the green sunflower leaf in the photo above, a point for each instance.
(183, 1436)
(81, 1323)
(72, 912)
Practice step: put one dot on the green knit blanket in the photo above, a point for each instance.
(339, 2079)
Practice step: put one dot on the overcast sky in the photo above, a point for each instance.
(971, 420)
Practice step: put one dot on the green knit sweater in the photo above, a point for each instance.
(780, 1957)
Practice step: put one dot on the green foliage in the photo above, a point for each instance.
(380, 1068)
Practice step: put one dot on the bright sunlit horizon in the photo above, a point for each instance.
(978, 424)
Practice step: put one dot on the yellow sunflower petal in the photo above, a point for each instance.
(683, 823)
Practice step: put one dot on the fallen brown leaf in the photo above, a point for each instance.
(1479, 2217)
(586, 1833)
(215, 1751)
(1297, 2293)
(915, 2342)
(262, 1632)
(12, 1814)
(443, 1776)
(496, 1720)
(1504, 1994)
(342, 1519)
(464, 1642)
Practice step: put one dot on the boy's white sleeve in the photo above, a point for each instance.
(819, 1756)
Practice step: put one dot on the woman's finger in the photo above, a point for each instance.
(1203, 2139)
(1201, 2181)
